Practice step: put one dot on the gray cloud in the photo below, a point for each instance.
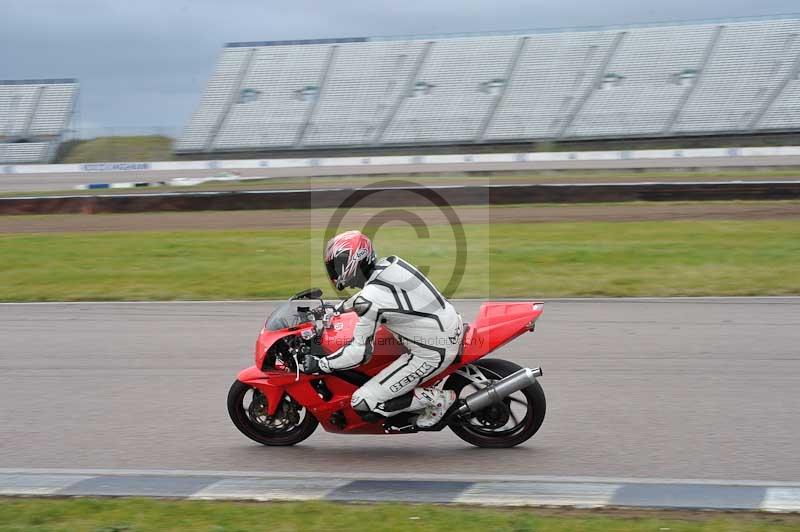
(144, 63)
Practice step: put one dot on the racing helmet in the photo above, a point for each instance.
(349, 259)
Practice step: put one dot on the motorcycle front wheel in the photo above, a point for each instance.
(506, 424)
(247, 408)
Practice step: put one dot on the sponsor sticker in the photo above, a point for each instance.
(114, 167)
(420, 372)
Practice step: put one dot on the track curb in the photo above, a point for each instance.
(576, 492)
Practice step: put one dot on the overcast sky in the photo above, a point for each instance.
(144, 63)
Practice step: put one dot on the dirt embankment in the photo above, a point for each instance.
(314, 219)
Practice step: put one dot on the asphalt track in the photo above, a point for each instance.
(55, 181)
(677, 388)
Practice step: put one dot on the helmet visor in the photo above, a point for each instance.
(336, 266)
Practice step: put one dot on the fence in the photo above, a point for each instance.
(759, 156)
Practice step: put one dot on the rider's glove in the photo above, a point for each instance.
(312, 365)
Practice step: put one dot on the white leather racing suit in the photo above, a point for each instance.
(402, 299)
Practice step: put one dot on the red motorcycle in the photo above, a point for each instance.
(500, 403)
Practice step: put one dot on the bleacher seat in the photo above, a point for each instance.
(24, 152)
(212, 106)
(784, 115)
(284, 81)
(658, 80)
(656, 68)
(552, 75)
(361, 90)
(34, 115)
(750, 61)
(452, 96)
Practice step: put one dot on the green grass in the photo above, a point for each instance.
(138, 515)
(532, 260)
(121, 148)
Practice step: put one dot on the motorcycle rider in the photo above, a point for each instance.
(396, 295)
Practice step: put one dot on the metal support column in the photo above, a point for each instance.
(232, 97)
(405, 93)
(596, 82)
(512, 67)
(687, 94)
(32, 114)
(792, 74)
(323, 77)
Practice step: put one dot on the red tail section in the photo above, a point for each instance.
(498, 324)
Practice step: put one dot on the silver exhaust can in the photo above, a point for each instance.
(498, 391)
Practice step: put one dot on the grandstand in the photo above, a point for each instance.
(722, 78)
(34, 115)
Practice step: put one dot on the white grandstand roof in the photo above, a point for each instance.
(56, 81)
(528, 31)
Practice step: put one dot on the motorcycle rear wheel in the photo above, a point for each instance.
(290, 425)
(479, 430)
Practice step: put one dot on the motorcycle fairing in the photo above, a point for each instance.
(495, 325)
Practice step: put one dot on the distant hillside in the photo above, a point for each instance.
(113, 149)
(159, 148)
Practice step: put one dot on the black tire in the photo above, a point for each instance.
(239, 416)
(536, 408)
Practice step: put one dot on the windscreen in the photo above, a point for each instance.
(289, 314)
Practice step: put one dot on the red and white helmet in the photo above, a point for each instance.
(349, 259)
